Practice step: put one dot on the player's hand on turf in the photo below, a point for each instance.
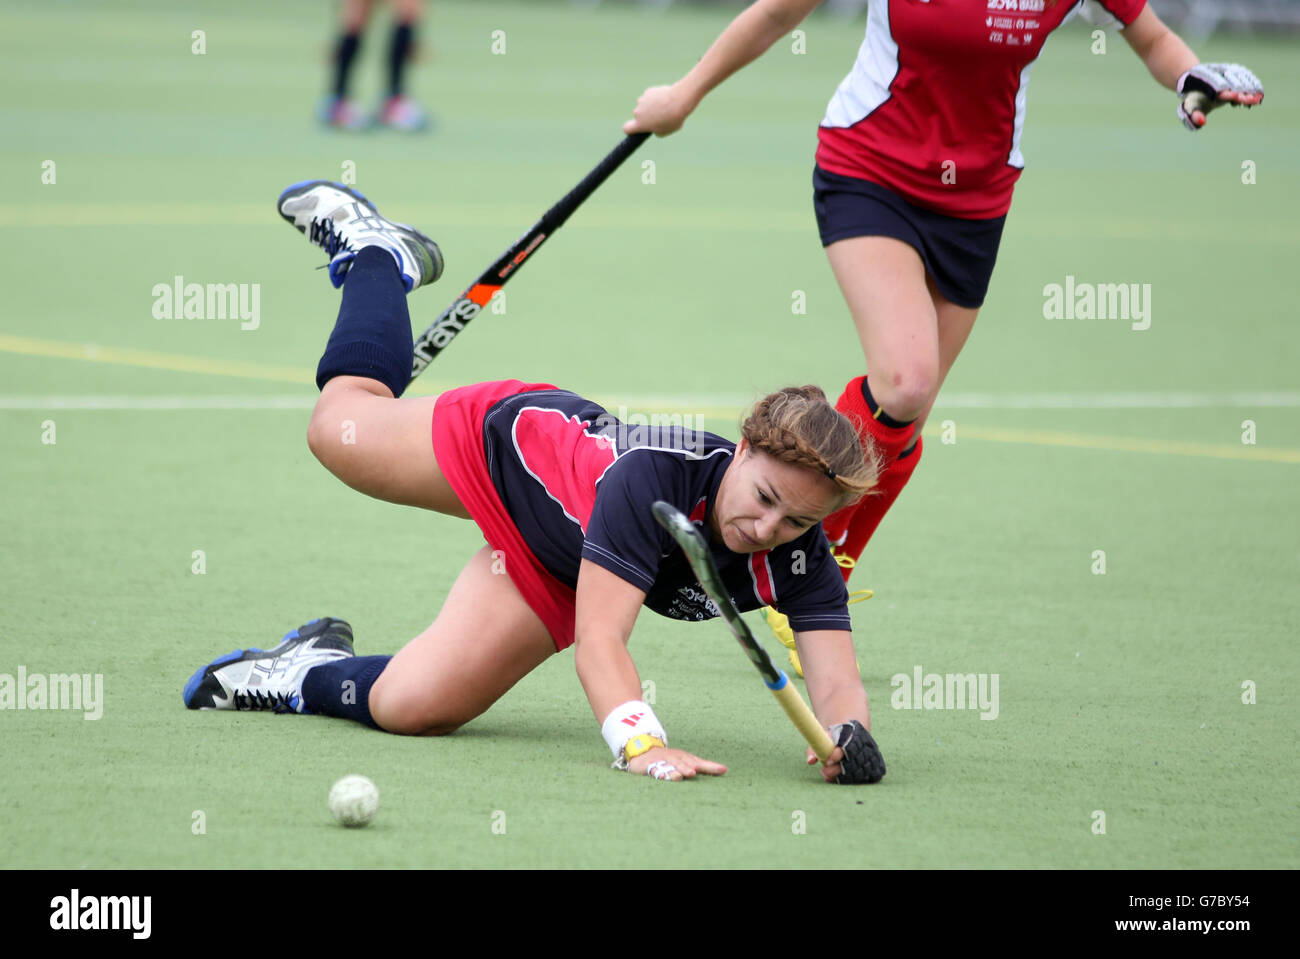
(1208, 86)
(855, 759)
(660, 110)
(673, 765)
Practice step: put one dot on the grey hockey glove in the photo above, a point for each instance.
(1208, 86)
(862, 762)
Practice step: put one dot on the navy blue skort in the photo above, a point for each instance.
(958, 253)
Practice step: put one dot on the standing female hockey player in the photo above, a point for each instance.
(917, 157)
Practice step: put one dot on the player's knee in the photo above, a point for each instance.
(326, 432)
(413, 724)
(408, 715)
(317, 443)
(905, 393)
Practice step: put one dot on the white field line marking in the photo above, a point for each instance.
(508, 217)
(725, 406)
(736, 402)
(157, 403)
(1018, 436)
(718, 406)
(1116, 401)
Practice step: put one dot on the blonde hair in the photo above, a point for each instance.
(798, 425)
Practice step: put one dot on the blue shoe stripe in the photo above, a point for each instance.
(339, 266)
(407, 281)
(192, 685)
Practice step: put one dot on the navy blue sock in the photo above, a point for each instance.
(399, 50)
(342, 688)
(344, 54)
(372, 336)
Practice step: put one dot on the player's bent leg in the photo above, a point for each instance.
(486, 638)
(337, 109)
(955, 324)
(884, 284)
(379, 445)
(892, 301)
(399, 110)
(851, 530)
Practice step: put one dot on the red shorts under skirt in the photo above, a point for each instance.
(458, 447)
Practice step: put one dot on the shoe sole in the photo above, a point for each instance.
(306, 186)
(194, 682)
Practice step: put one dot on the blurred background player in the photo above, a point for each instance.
(562, 493)
(917, 157)
(397, 110)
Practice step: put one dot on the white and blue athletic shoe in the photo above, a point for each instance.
(269, 679)
(341, 222)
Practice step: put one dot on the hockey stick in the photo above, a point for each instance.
(697, 554)
(455, 318)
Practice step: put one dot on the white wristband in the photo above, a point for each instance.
(633, 718)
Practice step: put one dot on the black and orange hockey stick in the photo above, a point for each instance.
(467, 306)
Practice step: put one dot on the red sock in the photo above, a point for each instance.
(871, 509)
(853, 525)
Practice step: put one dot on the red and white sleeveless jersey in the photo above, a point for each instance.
(934, 107)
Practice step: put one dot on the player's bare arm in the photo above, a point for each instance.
(1203, 87)
(834, 687)
(607, 608)
(1163, 51)
(606, 611)
(663, 109)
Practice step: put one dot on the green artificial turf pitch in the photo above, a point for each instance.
(1119, 693)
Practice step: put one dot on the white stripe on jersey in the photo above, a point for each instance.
(1015, 158)
(753, 577)
(867, 85)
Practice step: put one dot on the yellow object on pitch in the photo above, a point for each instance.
(779, 623)
(639, 745)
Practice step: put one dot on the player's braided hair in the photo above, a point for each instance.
(798, 425)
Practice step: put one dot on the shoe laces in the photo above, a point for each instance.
(257, 699)
(848, 562)
(324, 234)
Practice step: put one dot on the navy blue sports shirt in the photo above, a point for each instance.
(578, 484)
